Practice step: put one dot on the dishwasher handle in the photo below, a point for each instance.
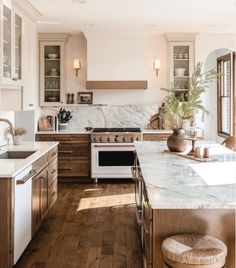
(27, 177)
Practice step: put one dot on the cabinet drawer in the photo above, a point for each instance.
(52, 172)
(155, 137)
(39, 164)
(52, 193)
(74, 168)
(74, 149)
(63, 137)
(52, 154)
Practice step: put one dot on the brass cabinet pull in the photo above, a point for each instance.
(53, 194)
(54, 170)
(27, 177)
(53, 154)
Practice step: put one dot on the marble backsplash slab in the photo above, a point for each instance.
(107, 116)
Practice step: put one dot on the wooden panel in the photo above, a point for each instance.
(52, 193)
(155, 137)
(6, 228)
(52, 155)
(219, 223)
(117, 84)
(74, 149)
(35, 203)
(74, 168)
(52, 172)
(43, 193)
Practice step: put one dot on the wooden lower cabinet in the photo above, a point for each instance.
(158, 224)
(43, 194)
(73, 155)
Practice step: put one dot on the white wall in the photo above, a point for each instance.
(119, 58)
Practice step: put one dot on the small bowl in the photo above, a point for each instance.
(180, 71)
(52, 56)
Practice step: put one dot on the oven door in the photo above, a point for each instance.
(112, 160)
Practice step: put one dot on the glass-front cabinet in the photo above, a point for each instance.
(11, 45)
(181, 67)
(51, 73)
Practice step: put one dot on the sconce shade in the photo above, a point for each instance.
(157, 64)
(76, 64)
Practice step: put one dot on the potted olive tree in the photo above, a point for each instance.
(63, 117)
(179, 110)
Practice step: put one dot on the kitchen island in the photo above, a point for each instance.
(178, 195)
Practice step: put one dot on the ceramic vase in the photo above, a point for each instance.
(176, 142)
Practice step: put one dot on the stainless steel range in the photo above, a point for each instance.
(112, 152)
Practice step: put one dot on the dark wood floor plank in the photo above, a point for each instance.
(90, 226)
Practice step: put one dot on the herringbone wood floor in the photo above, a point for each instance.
(90, 226)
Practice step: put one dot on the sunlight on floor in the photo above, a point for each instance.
(106, 201)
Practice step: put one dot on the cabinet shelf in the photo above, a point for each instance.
(181, 59)
(52, 89)
(52, 59)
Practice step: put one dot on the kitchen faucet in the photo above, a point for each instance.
(9, 123)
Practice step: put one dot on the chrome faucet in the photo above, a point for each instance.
(12, 131)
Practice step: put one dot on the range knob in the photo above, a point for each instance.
(124, 139)
(116, 139)
(95, 139)
(100, 139)
(137, 139)
(108, 139)
(132, 139)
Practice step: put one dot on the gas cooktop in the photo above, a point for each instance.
(125, 129)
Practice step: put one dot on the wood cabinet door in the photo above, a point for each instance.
(35, 203)
(44, 193)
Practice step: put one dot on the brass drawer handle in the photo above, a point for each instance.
(53, 154)
(54, 171)
(53, 193)
(43, 177)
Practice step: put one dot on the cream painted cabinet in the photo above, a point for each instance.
(12, 38)
(181, 61)
(18, 42)
(52, 63)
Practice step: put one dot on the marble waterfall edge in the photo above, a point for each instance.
(107, 116)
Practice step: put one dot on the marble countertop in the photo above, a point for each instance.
(68, 132)
(81, 131)
(9, 168)
(175, 182)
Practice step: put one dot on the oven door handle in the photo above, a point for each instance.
(109, 146)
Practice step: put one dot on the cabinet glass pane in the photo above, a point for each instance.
(18, 49)
(181, 70)
(52, 70)
(6, 42)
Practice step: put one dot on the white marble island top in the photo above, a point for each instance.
(174, 182)
(9, 168)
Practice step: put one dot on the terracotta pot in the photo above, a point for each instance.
(175, 142)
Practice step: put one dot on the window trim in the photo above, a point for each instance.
(231, 57)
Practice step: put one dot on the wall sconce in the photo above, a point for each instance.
(157, 66)
(77, 66)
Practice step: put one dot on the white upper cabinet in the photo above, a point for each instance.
(181, 62)
(18, 55)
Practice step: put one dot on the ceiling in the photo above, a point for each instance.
(144, 16)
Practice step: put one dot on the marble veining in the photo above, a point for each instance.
(108, 116)
(172, 181)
